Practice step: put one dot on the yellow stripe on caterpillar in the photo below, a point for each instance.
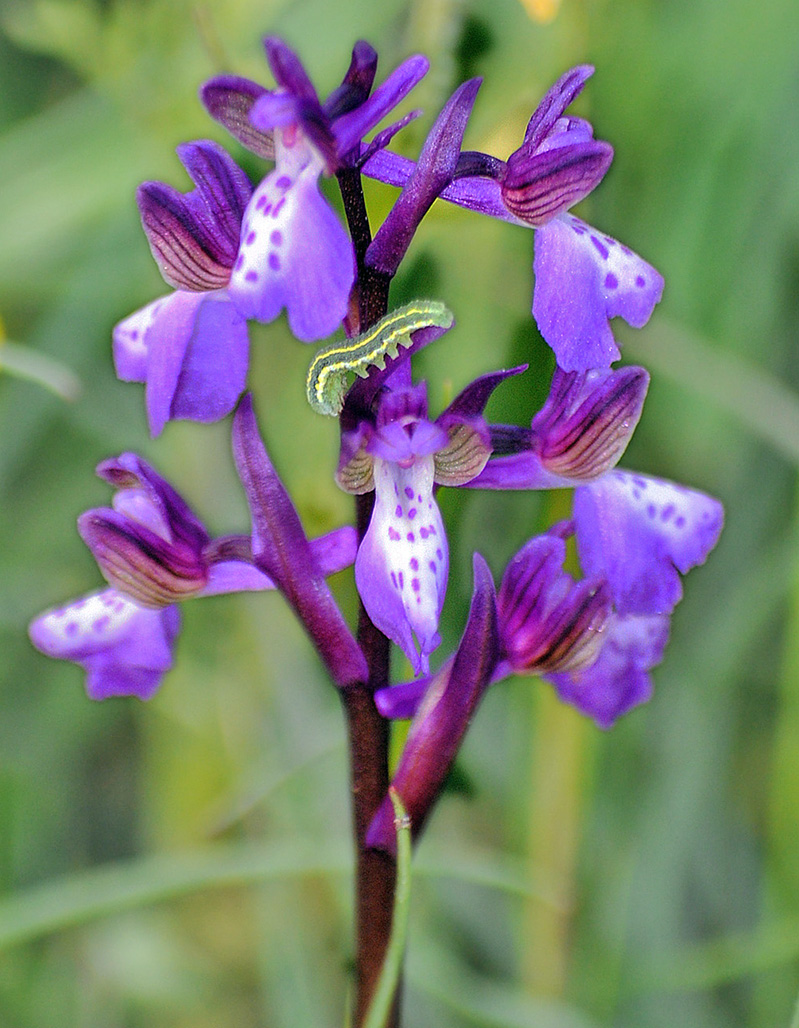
(326, 383)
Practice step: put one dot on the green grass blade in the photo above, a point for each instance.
(383, 998)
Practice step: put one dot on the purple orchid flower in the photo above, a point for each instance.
(572, 634)
(541, 622)
(580, 433)
(403, 560)
(190, 348)
(294, 252)
(154, 552)
(639, 532)
(583, 278)
(634, 533)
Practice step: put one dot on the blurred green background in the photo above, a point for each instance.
(185, 862)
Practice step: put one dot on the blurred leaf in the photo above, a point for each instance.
(25, 362)
(482, 1002)
(106, 890)
(109, 890)
(753, 397)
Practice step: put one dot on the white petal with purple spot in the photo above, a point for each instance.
(402, 564)
(124, 648)
(294, 253)
(91, 623)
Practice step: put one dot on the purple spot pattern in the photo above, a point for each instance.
(640, 533)
(403, 570)
(604, 279)
(90, 623)
(266, 229)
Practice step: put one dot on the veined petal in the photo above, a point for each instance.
(443, 716)
(582, 279)
(124, 648)
(151, 570)
(641, 533)
(539, 186)
(197, 358)
(584, 427)
(465, 454)
(229, 100)
(402, 563)
(618, 680)
(294, 254)
(194, 237)
(547, 621)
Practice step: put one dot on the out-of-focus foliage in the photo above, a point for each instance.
(185, 862)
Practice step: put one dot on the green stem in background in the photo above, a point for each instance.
(388, 982)
(782, 867)
(560, 742)
(795, 1018)
(559, 753)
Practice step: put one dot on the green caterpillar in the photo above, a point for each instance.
(326, 383)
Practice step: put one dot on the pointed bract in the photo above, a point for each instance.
(281, 550)
(444, 715)
(432, 174)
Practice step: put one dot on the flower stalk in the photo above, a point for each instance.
(233, 252)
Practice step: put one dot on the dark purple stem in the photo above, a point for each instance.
(368, 731)
(372, 284)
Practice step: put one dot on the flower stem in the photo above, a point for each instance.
(372, 285)
(375, 871)
(368, 731)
